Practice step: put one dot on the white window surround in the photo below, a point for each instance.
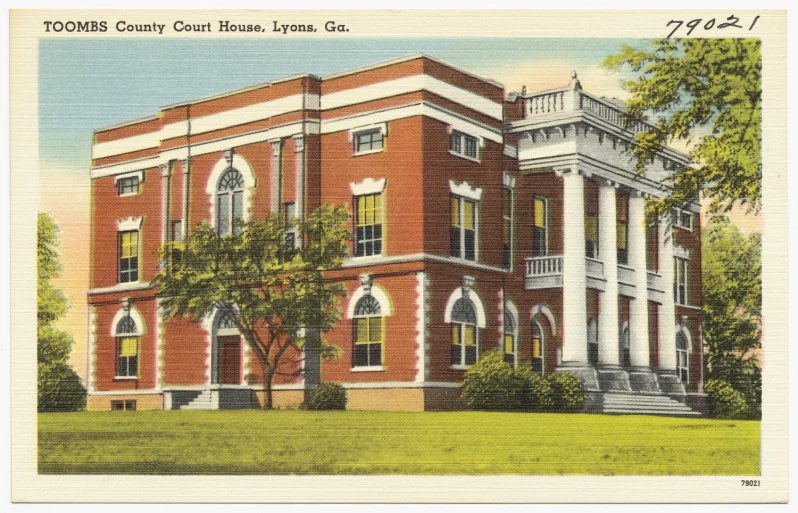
(351, 134)
(508, 180)
(465, 190)
(545, 311)
(512, 310)
(451, 129)
(137, 174)
(681, 252)
(368, 186)
(379, 294)
(137, 318)
(222, 165)
(129, 224)
(475, 299)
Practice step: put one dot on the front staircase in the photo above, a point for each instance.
(622, 403)
(204, 400)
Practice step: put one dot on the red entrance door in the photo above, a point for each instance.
(230, 361)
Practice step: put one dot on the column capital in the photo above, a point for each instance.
(184, 165)
(166, 169)
(299, 143)
(568, 171)
(277, 144)
(606, 182)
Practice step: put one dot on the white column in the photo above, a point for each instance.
(299, 148)
(667, 314)
(574, 285)
(636, 248)
(276, 175)
(608, 313)
(185, 164)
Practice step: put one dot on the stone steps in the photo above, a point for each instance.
(203, 401)
(645, 404)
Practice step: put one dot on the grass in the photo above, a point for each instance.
(357, 442)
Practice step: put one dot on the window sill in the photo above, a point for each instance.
(472, 159)
(367, 152)
(691, 307)
(367, 258)
(459, 367)
(126, 378)
(374, 368)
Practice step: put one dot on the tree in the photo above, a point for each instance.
(706, 88)
(59, 387)
(276, 295)
(732, 291)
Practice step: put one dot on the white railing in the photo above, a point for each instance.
(594, 268)
(544, 266)
(572, 100)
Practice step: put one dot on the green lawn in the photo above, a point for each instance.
(352, 442)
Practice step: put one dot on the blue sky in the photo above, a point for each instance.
(90, 83)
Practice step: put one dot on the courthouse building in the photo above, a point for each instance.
(482, 219)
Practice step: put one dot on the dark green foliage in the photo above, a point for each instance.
(492, 384)
(732, 291)
(725, 402)
(59, 387)
(701, 88)
(327, 396)
(567, 392)
(279, 298)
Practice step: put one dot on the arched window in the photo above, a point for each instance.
(509, 339)
(229, 202)
(369, 333)
(682, 357)
(127, 348)
(537, 347)
(464, 333)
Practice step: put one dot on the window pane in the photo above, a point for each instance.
(361, 330)
(223, 214)
(375, 354)
(456, 334)
(469, 335)
(540, 212)
(360, 356)
(536, 347)
(128, 346)
(454, 241)
(470, 245)
(375, 329)
(509, 346)
(470, 355)
(507, 202)
(468, 215)
(620, 235)
(470, 147)
(238, 209)
(455, 203)
(454, 142)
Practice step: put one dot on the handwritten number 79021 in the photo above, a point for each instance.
(731, 21)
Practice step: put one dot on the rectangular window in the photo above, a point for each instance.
(680, 281)
(368, 342)
(507, 227)
(464, 145)
(289, 217)
(682, 219)
(177, 231)
(370, 140)
(591, 235)
(621, 231)
(128, 257)
(463, 233)
(540, 227)
(128, 185)
(126, 405)
(127, 357)
(368, 225)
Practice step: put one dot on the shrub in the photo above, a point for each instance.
(725, 402)
(60, 388)
(327, 396)
(492, 384)
(566, 392)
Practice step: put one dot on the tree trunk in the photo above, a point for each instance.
(267, 390)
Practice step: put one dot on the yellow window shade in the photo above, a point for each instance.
(375, 329)
(362, 331)
(361, 211)
(535, 348)
(129, 346)
(129, 244)
(591, 227)
(620, 235)
(468, 215)
(469, 338)
(540, 213)
(455, 335)
(508, 344)
(455, 212)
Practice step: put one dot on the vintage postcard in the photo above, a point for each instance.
(416, 256)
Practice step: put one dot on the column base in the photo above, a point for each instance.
(583, 371)
(643, 379)
(671, 385)
(613, 379)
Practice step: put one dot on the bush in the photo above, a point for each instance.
(59, 388)
(567, 392)
(725, 402)
(327, 396)
(492, 384)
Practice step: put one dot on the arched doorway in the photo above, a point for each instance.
(227, 356)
